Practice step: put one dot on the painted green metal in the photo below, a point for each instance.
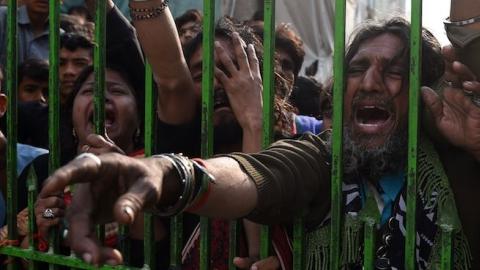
(12, 186)
(370, 215)
(99, 62)
(298, 244)
(176, 242)
(268, 72)
(234, 228)
(54, 106)
(149, 219)
(447, 243)
(413, 109)
(369, 245)
(32, 195)
(99, 66)
(207, 112)
(337, 129)
(268, 99)
(53, 86)
(55, 259)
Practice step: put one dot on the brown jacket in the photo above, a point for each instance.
(293, 178)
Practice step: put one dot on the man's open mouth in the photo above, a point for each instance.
(372, 118)
(220, 100)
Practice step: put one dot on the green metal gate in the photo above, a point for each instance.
(56, 260)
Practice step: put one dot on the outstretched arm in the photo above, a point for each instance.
(159, 39)
(269, 187)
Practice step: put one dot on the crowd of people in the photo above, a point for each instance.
(114, 183)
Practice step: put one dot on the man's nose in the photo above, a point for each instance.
(372, 80)
(69, 69)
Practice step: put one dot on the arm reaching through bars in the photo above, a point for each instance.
(159, 39)
(265, 187)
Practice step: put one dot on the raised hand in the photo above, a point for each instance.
(242, 82)
(456, 116)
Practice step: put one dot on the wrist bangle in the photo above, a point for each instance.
(195, 182)
(185, 170)
(202, 191)
(463, 22)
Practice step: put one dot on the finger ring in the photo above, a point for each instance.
(90, 156)
(48, 214)
(476, 100)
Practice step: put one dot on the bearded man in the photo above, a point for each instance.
(293, 176)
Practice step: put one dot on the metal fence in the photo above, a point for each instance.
(55, 260)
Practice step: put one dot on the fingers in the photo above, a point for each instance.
(110, 256)
(243, 263)
(449, 54)
(270, 263)
(222, 77)
(82, 236)
(96, 140)
(97, 144)
(464, 73)
(240, 54)
(253, 60)
(432, 102)
(225, 59)
(143, 192)
(77, 171)
(472, 86)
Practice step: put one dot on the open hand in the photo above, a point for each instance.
(110, 187)
(242, 82)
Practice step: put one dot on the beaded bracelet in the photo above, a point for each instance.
(462, 22)
(138, 14)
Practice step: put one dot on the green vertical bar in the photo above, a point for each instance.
(149, 224)
(446, 238)
(337, 145)
(53, 86)
(99, 69)
(414, 96)
(369, 245)
(54, 105)
(32, 196)
(268, 98)
(149, 112)
(234, 230)
(176, 241)
(298, 244)
(268, 71)
(99, 66)
(207, 111)
(12, 185)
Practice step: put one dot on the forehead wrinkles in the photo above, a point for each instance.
(385, 47)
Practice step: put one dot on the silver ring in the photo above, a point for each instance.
(48, 214)
(90, 156)
(476, 100)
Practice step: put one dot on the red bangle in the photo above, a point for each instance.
(204, 192)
